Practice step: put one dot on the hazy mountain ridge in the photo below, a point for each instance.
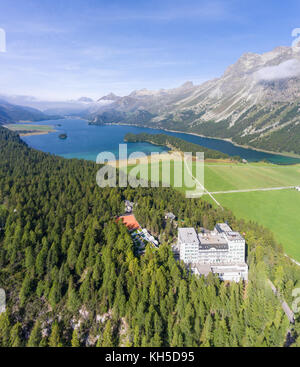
(10, 113)
(82, 106)
(256, 102)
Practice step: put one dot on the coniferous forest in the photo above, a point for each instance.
(72, 277)
(176, 144)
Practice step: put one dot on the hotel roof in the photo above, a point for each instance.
(234, 236)
(188, 235)
(223, 227)
(212, 240)
(220, 268)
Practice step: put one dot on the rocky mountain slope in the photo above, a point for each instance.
(256, 102)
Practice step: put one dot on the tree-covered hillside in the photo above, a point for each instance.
(72, 278)
(175, 144)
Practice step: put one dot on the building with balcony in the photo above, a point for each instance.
(221, 251)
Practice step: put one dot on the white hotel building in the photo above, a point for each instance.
(221, 251)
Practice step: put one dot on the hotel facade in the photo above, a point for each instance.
(221, 251)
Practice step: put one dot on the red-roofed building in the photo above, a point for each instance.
(130, 222)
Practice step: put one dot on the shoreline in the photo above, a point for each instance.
(36, 133)
(228, 140)
(29, 129)
(156, 157)
(152, 158)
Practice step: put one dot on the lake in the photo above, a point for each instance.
(87, 141)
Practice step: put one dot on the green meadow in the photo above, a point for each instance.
(250, 176)
(277, 210)
(29, 127)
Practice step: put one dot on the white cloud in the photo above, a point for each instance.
(287, 69)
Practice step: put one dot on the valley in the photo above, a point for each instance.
(66, 261)
(149, 178)
(251, 104)
(272, 205)
(86, 141)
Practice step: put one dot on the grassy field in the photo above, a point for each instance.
(225, 177)
(250, 176)
(30, 128)
(277, 210)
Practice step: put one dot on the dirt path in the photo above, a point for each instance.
(252, 190)
(203, 189)
(289, 313)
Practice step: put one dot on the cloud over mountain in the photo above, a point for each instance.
(287, 69)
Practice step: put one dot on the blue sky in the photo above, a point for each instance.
(72, 48)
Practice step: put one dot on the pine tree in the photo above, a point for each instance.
(156, 340)
(35, 335)
(5, 326)
(15, 335)
(75, 339)
(29, 258)
(99, 342)
(206, 332)
(55, 339)
(107, 335)
(73, 301)
(136, 337)
(55, 294)
(41, 259)
(72, 255)
(25, 289)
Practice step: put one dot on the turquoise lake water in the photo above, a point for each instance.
(87, 141)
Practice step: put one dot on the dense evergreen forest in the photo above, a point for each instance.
(176, 144)
(72, 278)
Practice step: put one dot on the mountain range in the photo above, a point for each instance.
(81, 107)
(256, 102)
